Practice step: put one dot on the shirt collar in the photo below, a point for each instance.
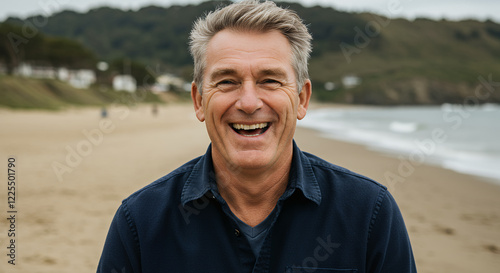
(301, 177)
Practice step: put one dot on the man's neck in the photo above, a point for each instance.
(252, 195)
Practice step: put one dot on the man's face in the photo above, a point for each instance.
(250, 99)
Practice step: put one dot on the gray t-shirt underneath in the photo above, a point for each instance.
(256, 235)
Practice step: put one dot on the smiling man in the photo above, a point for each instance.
(255, 202)
(250, 103)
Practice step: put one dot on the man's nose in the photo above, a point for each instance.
(249, 100)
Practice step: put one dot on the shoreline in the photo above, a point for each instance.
(400, 133)
(453, 219)
(395, 155)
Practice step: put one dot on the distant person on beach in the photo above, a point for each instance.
(254, 202)
(154, 110)
(104, 112)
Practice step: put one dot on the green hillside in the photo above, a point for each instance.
(398, 61)
(24, 93)
(422, 62)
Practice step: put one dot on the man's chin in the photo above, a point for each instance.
(251, 160)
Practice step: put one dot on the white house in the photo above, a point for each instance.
(124, 83)
(329, 86)
(41, 72)
(350, 81)
(80, 78)
(166, 81)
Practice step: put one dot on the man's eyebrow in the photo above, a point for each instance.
(222, 72)
(277, 72)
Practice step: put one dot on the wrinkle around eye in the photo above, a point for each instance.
(226, 82)
(226, 85)
(271, 84)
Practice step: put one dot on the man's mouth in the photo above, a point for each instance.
(250, 130)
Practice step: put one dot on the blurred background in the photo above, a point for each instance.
(386, 52)
(94, 103)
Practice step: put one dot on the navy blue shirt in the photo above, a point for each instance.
(329, 219)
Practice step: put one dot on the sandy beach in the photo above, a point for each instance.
(74, 168)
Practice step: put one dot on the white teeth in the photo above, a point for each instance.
(249, 127)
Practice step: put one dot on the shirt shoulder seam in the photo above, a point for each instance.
(382, 194)
(336, 168)
(131, 225)
(376, 209)
(180, 171)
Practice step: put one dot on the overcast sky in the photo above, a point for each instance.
(436, 9)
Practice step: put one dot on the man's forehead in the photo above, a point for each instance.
(232, 52)
(249, 41)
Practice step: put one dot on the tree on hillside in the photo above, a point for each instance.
(139, 71)
(16, 48)
(8, 55)
(68, 53)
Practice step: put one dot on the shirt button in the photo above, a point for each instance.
(236, 232)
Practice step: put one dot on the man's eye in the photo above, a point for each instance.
(225, 82)
(271, 83)
(227, 85)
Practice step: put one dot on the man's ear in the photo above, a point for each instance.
(304, 97)
(197, 102)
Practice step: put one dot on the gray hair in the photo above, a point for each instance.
(252, 15)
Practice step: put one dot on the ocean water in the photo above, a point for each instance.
(464, 138)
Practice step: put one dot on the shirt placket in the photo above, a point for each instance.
(245, 253)
(264, 259)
